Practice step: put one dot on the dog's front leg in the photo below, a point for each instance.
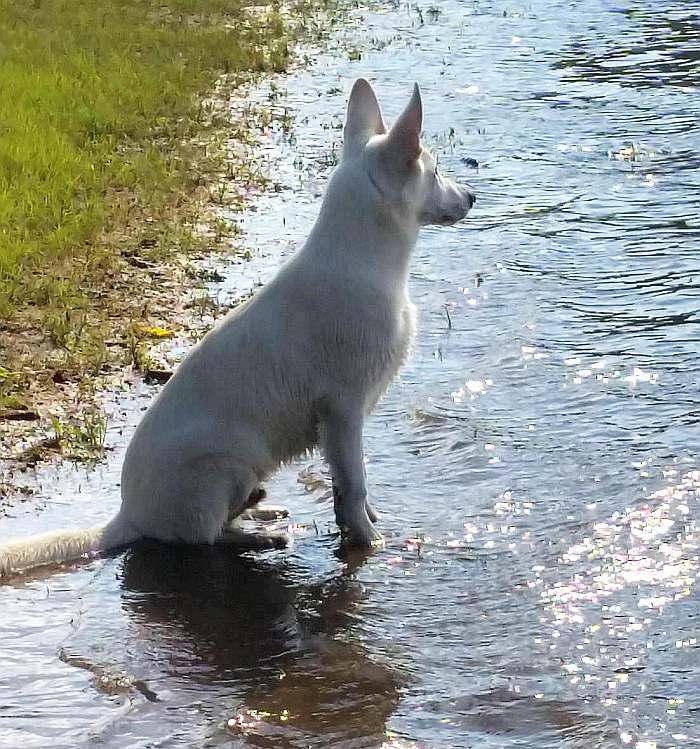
(341, 441)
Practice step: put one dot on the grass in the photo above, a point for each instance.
(111, 141)
(93, 96)
(81, 440)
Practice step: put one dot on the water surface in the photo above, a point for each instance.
(537, 464)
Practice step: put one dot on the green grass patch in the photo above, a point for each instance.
(95, 95)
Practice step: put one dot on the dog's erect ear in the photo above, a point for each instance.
(405, 132)
(364, 118)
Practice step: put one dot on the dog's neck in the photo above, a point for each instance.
(358, 227)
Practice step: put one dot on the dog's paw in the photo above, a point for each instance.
(265, 514)
(363, 534)
(255, 539)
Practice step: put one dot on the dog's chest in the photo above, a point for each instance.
(387, 351)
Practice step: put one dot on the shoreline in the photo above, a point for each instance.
(152, 301)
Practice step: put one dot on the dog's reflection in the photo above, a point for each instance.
(238, 625)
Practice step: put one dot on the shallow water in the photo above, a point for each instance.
(537, 465)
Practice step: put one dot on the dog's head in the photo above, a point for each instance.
(401, 170)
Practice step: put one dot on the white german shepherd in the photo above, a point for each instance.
(301, 364)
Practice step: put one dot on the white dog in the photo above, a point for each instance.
(301, 364)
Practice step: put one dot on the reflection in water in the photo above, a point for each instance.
(279, 653)
(506, 711)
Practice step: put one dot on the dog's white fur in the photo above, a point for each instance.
(299, 365)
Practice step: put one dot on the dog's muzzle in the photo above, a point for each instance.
(458, 211)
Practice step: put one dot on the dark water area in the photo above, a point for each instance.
(536, 465)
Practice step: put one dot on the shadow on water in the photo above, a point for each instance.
(259, 630)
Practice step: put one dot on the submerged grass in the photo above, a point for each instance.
(108, 149)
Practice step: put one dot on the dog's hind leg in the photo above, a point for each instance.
(257, 495)
(240, 532)
(235, 508)
(252, 510)
(341, 439)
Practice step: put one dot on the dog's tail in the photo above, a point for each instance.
(63, 546)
